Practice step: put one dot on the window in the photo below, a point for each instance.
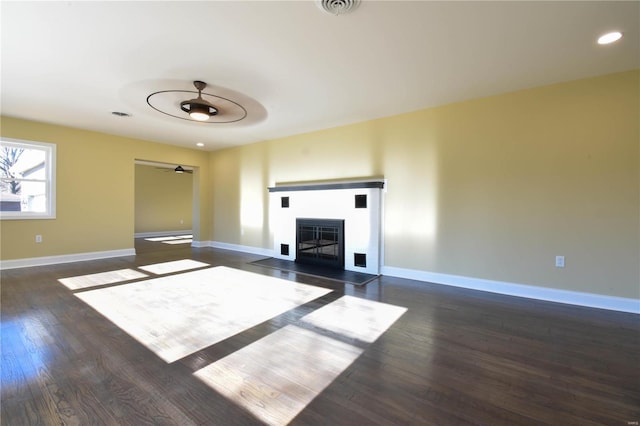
(27, 180)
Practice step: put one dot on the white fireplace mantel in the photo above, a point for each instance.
(332, 200)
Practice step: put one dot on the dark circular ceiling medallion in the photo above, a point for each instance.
(175, 103)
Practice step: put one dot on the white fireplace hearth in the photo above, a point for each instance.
(335, 224)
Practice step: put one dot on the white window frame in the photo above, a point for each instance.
(50, 179)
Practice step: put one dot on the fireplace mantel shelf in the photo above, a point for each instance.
(325, 186)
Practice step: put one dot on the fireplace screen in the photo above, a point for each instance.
(320, 241)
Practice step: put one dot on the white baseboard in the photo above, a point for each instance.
(237, 247)
(520, 290)
(201, 243)
(161, 233)
(65, 258)
(590, 300)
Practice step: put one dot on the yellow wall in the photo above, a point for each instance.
(95, 191)
(491, 188)
(163, 199)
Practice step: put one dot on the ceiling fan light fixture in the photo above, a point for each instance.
(199, 116)
(199, 109)
(179, 169)
(199, 112)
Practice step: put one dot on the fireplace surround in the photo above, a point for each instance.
(341, 223)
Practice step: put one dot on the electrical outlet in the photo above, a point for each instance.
(559, 261)
(38, 238)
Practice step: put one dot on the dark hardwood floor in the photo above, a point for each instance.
(455, 357)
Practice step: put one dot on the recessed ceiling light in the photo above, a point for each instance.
(610, 37)
(120, 114)
(200, 144)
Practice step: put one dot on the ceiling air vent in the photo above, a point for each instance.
(337, 7)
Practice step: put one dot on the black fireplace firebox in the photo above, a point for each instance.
(320, 242)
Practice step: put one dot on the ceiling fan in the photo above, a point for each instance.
(178, 169)
(205, 108)
(199, 109)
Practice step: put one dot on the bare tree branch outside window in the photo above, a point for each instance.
(8, 158)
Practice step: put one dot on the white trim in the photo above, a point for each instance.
(199, 244)
(591, 300)
(50, 180)
(237, 247)
(65, 258)
(161, 233)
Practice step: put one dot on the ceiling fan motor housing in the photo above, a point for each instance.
(198, 105)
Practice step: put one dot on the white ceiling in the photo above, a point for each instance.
(295, 67)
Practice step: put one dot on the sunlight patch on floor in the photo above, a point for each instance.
(101, 278)
(276, 377)
(177, 315)
(174, 237)
(182, 241)
(355, 318)
(173, 266)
